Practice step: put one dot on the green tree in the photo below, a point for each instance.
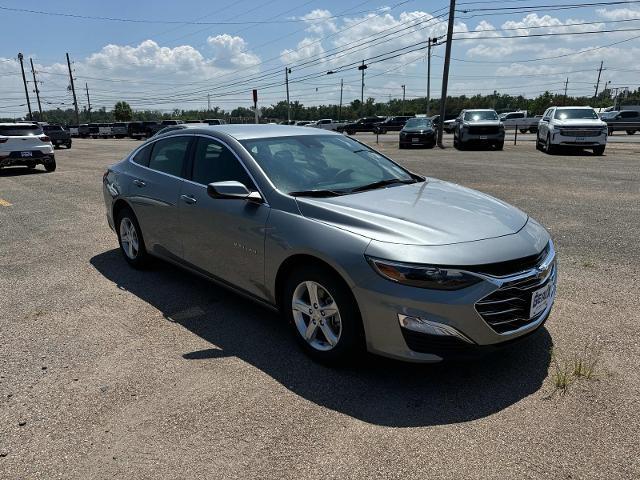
(122, 112)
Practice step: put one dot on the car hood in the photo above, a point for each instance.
(590, 122)
(425, 213)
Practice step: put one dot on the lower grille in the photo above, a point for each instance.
(507, 308)
(575, 132)
(482, 130)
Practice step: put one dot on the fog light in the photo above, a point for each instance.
(422, 325)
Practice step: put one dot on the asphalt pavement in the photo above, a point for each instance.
(108, 372)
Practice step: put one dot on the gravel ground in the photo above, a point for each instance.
(107, 372)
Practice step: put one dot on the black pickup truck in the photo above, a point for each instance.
(365, 124)
(623, 120)
(58, 135)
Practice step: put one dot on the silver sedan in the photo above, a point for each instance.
(357, 252)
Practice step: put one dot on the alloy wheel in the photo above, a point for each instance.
(129, 238)
(316, 316)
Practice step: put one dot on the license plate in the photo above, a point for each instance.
(580, 139)
(483, 137)
(415, 140)
(26, 154)
(541, 299)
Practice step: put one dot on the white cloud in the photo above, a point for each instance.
(306, 48)
(320, 22)
(619, 13)
(231, 51)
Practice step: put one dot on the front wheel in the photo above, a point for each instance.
(324, 315)
(351, 132)
(500, 146)
(130, 239)
(550, 148)
(630, 132)
(599, 150)
(523, 130)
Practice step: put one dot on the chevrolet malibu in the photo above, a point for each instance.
(354, 250)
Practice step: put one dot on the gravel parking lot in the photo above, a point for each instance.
(107, 372)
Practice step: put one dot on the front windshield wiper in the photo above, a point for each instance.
(382, 183)
(317, 193)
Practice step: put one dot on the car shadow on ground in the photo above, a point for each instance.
(19, 171)
(374, 389)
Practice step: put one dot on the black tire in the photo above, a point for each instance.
(538, 144)
(599, 150)
(533, 130)
(400, 146)
(630, 132)
(610, 131)
(50, 166)
(142, 258)
(499, 145)
(523, 130)
(549, 147)
(351, 132)
(351, 339)
(431, 145)
(69, 144)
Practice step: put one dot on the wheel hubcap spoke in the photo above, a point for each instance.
(314, 311)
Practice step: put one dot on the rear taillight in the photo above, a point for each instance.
(44, 138)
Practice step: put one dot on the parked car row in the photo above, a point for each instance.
(622, 120)
(137, 129)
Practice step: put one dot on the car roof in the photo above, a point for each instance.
(582, 107)
(250, 131)
(481, 110)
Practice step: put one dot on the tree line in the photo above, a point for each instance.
(122, 111)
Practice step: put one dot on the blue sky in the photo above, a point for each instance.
(176, 65)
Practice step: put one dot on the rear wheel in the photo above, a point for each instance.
(324, 315)
(523, 130)
(351, 132)
(130, 239)
(630, 132)
(50, 165)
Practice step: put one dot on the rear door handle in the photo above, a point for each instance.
(188, 199)
(139, 183)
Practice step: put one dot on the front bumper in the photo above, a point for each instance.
(571, 141)
(382, 302)
(417, 139)
(467, 137)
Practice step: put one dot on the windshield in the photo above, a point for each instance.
(575, 114)
(322, 162)
(418, 123)
(20, 130)
(476, 115)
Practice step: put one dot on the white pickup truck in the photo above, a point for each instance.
(326, 124)
(520, 120)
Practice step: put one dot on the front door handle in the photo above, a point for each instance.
(188, 199)
(139, 183)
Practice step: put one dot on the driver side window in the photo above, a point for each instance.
(213, 162)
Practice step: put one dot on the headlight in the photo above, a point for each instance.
(423, 276)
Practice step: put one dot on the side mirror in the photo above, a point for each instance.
(232, 190)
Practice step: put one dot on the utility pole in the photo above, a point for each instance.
(73, 89)
(208, 102)
(430, 41)
(287, 71)
(24, 80)
(86, 85)
(403, 92)
(340, 107)
(35, 84)
(598, 82)
(445, 73)
(362, 68)
(566, 85)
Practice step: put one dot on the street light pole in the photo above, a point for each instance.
(403, 92)
(362, 68)
(26, 89)
(430, 42)
(340, 107)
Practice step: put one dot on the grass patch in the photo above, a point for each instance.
(580, 366)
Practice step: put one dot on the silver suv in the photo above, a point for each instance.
(355, 251)
(571, 127)
(481, 126)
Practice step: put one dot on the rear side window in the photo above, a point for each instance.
(168, 155)
(143, 156)
(52, 128)
(20, 130)
(213, 162)
(629, 114)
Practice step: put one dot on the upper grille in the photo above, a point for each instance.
(483, 129)
(580, 132)
(507, 308)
